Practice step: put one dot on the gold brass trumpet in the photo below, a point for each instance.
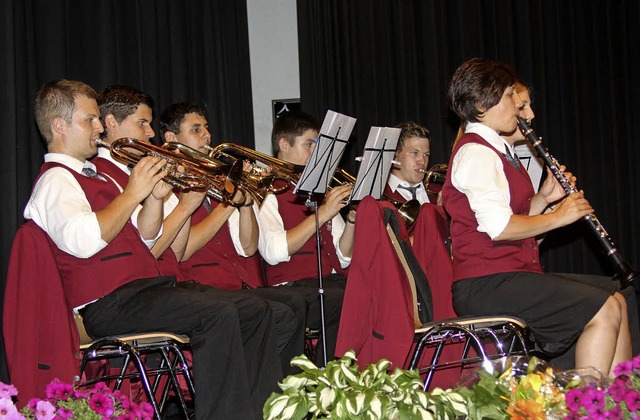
(437, 174)
(408, 210)
(279, 169)
(256, 183)
(217, 179)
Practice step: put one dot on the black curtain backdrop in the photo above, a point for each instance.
(194, 50)
(385, 61)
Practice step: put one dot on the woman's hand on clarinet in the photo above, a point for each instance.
(572, 208)
(551, 189)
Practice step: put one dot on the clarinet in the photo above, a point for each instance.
(625, 272)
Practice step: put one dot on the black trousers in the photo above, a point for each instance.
(307, 289)
(234, 349)
(296, 304)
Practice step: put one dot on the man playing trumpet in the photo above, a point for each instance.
(128, 112)
(412, 154)
(223, 240)
(288, 227)
(108, 273)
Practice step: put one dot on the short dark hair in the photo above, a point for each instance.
(174, 114)
(57, 99)
(478, 84)
(410, 129)
(122, 101)
(290, 126)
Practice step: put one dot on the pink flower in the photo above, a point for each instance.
(574, 400)
(101, 404)
(593, 401)
(144, 411)
(618, 389)
(101, 388)
(57, 390)
(65, 413)
(7, 391)
(632, 399)
(615, 413)
(45, 410)
(624, 368)
(8, 410)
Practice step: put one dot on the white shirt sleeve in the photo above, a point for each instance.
(273, 238)
(477, 172)
(337, 228)
(234, 228)
(59, 206)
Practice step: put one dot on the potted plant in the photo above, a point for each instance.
(343, 391)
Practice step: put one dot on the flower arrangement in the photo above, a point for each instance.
(342, 391)
(524, 388)
(63, 402)
(619, 400)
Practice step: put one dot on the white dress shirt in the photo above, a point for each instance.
(477, 172)
(60, 207)
(421, 193)
(273, 237)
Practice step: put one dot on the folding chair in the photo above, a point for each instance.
(130, 357)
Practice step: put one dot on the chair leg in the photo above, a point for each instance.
(145, 381)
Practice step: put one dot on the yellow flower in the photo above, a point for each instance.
(526, 410)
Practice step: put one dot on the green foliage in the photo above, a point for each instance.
(488, 399)
(342, 391)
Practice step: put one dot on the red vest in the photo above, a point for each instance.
(474, 253)
(167, 262)
(124, 259)
(218, 264)
(304, 263)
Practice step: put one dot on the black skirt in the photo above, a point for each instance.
(556, 307)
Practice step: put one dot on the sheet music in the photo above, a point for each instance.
(529, 159)
(376, 163)
(334, 135)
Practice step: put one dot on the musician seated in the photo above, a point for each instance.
(128, 112)
(288, 232)
(626, 296)
(412, 154)
(495, 218)
(108, 273)
(222, 240)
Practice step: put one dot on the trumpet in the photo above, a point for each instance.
(437, 174)
(217, 179)
(408, 210)
(279, 169)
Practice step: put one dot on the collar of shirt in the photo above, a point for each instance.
(490, 136)
(421, 192)
(69, 161)
(106, 154)
(394, 182)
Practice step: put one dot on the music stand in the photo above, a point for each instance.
(376, 163)
(333, 138)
